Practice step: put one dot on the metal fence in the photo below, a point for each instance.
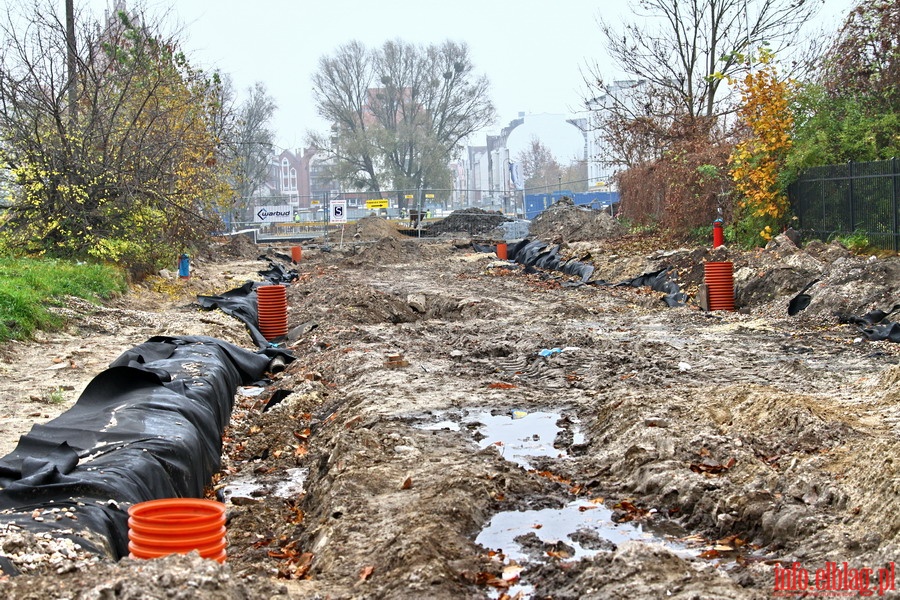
(850, 198)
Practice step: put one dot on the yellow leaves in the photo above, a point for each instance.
(757, 161)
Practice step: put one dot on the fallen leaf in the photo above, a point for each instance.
(501, 386)
(709, 554)
(490, 579)
(712, 467)
(632, 512)
(512, 572)
(731, 540)
(366, 572)
(406, 484)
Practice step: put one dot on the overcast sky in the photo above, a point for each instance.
(533, 51)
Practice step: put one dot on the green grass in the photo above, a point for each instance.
(855, 242)
(29, 286)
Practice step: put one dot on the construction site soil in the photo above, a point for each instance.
(455, 426)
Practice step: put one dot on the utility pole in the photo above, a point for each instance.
(326, 219)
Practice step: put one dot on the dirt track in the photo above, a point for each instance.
(670, 452)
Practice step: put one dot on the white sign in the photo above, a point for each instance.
(273, 214)
(338, 211)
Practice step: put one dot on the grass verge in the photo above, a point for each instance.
(29, 286)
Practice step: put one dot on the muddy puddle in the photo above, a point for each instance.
(578, 530)
(581, 529)
(246, 487)
(518, 435)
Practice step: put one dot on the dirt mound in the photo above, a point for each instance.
(471, 221)
(373, 228)
(386, 251)
(569, 223)
(175, 576)
(239, 245)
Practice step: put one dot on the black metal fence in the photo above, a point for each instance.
(861, 197)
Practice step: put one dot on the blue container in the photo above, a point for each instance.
(184, 266)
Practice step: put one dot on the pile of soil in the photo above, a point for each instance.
(373, 228)
(565, 222)
(473, 222)
(233, 246)
(389, 250)
(737, 442)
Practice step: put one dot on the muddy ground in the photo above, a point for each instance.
(456, 428)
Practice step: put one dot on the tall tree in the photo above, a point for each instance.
(251, 142)
(676, 56)
(864, 60)
(850, 109)
(575, 176)
(541, 170)
(399, 113)
(131, 175)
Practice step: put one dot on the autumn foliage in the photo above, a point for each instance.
(128, 173)
(683, 189)
(759, 158)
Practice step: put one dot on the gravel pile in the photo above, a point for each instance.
(471, 221)
(565, 222)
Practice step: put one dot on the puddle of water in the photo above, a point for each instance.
(243, 487)
(593, 522)
(294, 485)
(250, 391)
(451, 425)
(520, 435)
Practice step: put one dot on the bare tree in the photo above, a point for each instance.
(251, 141)
(399, 113)
(864, 59)
(540, 168)
(341, 88)
(681, 52)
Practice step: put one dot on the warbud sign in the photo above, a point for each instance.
(273, 214)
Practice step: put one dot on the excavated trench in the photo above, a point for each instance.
(457, 429)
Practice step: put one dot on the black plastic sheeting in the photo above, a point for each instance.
(148, 427)
(887, 331)
(541, 255)
(801, 301)
(659, 281)
(241, 302)
(873, 326)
